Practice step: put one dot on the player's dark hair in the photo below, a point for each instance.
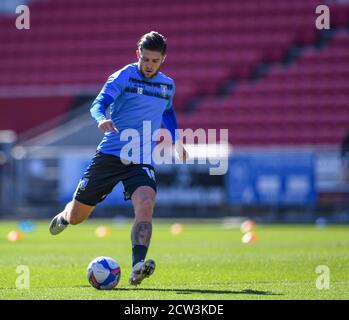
(153, 41)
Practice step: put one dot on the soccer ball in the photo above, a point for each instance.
(103, 273)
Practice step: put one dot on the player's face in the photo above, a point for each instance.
(149, 62)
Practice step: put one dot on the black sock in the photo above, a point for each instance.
(138, 253)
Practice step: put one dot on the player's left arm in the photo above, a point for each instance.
(169, 121)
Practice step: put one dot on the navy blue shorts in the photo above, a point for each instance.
(105, 171)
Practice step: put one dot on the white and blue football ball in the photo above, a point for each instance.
(103, 273)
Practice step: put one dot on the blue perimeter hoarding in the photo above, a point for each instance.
(279, 178)
(254, 178)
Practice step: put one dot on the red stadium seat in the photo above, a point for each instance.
(76, 44)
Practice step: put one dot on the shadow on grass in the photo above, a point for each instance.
(178, 291)
(190, 291)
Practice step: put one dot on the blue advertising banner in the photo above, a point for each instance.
(272, 178)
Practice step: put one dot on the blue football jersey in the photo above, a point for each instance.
(137, 105)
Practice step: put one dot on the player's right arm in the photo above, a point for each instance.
(107, 125)
(98, 112)
(110, 91)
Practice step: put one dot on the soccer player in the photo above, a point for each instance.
(137, 93)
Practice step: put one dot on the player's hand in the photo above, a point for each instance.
(107, 125)
(182, 153)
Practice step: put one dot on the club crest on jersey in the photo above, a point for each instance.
(83, 183)
(163, 90)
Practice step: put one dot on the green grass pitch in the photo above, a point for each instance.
(205, 262)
